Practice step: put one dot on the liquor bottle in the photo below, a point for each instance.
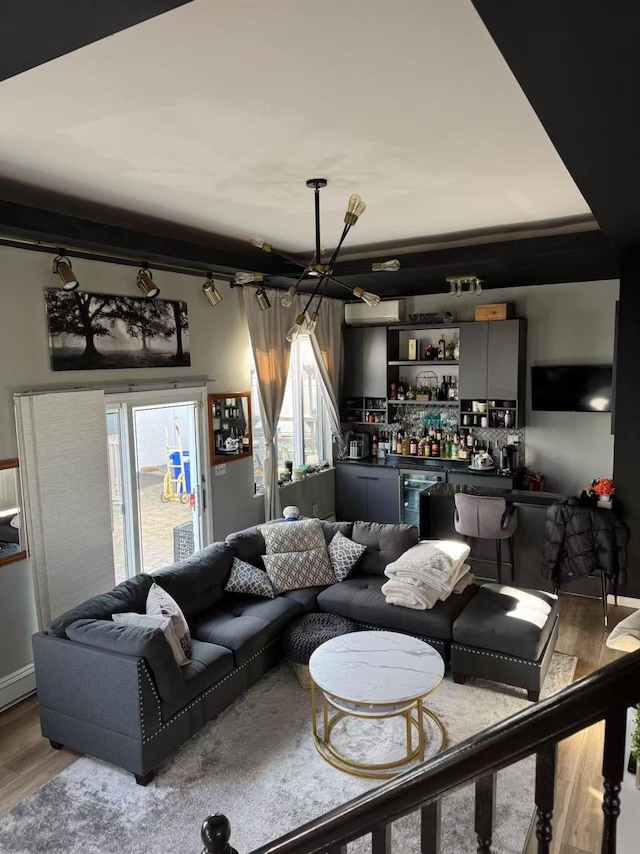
(422, 444)
(427, 446)
(413, 445)
(455, 448)
(399, 442)
(435, 448)
(442, 349)
(406, 445)
(374, 444)
(401, 389)
(444, 388)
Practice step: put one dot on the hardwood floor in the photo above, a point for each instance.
(27, 760)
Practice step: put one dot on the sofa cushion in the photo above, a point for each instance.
(360, 598)
(301, 536)
(507, 619)
(385, 543)
(247, 578)
(131, 595)
(248, 545)
(197, 582)
(209, 663)
(140, 642)
(245, 625)
(153, 621)
(306, 597)
(330, 529)
(161, 604)
(344, 554)
(292, 570)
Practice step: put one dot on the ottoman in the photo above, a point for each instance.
(507, 635)
(305, 634)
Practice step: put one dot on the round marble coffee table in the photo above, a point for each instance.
(374, 675)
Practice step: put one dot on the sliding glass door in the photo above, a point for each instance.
(157, 483)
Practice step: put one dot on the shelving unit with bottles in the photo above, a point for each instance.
(229, 427)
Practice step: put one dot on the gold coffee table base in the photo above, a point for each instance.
(413, 713)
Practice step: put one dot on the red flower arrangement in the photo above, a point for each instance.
(601, 486)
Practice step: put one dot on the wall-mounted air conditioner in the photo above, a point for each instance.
(359, 313)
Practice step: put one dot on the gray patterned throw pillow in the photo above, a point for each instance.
(293, 570)
(245, 578)
(299, 536)
(344, 555)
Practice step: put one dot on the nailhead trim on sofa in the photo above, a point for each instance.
(432, 641)
(198, 699)
(477, 651)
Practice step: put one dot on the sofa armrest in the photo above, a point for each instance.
(137, 641)
(105, 688)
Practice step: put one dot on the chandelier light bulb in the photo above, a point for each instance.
(260, 243)
(292, 334)
(372, 300)
(453, 288)
(386, 266)
(262, 299)
(458, 291)
(287, 299)
(355, 209)
(210, 291)
(63, 270)
(478, 288)
(247, 278)
(312, 322)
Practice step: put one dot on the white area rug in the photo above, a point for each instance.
(256, 763)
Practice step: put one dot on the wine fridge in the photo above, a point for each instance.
(412, 483)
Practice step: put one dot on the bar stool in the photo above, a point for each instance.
(487, 518)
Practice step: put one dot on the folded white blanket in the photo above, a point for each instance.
(409, 595)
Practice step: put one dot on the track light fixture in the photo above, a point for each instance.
(262, 299)
(210, 291)
(320, 273)
(63, 270)
(145, 283)
(456, 283)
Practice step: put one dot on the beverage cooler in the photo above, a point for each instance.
(412, 483)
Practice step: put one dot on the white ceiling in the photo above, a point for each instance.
(215, 114)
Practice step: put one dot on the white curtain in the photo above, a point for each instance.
(327, 348)
(62, 446)
(271, 355)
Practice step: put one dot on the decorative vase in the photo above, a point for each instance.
(604, 501)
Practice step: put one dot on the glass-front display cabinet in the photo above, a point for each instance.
(12, 535)
(229, 427)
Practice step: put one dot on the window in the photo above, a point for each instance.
(303, 435)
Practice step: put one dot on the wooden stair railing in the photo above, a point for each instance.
(603, 695)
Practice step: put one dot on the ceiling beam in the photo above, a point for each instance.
(33, 32)
(578, 63)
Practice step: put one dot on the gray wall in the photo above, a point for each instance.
(219, 351)
(567, 323)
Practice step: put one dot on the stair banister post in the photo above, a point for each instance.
(613, 771)
(215, 834)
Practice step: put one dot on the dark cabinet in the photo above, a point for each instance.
(364, 362)
(506, 356)
(474, 342)
(352, 362)
(367, 493)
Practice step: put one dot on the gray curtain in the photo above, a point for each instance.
(271, 355)
(327, 348)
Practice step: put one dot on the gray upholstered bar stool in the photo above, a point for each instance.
(487, 518)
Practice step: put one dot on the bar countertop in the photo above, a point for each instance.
(512, 496)
(398, 461)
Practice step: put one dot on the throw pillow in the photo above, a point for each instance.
(626, 635)
(344, 554)
(245, 578)
(160, 604)
(147, 621)
(300, 536)
(293, 570)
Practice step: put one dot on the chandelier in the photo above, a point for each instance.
(320, 273)
(456, 283)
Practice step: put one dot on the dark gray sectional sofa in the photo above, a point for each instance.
(115, 691)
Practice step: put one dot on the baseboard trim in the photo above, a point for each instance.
(16, 686)
(625, 601)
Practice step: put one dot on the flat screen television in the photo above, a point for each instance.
(571, 388)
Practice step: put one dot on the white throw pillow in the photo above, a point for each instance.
(293, 570)
(148, 621)
(160, 604)
(246, 578)
(344, 554)
(300, 536)
(626, 635)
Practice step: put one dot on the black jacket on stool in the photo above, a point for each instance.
(581, 541)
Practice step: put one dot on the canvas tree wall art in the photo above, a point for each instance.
(101, 331)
